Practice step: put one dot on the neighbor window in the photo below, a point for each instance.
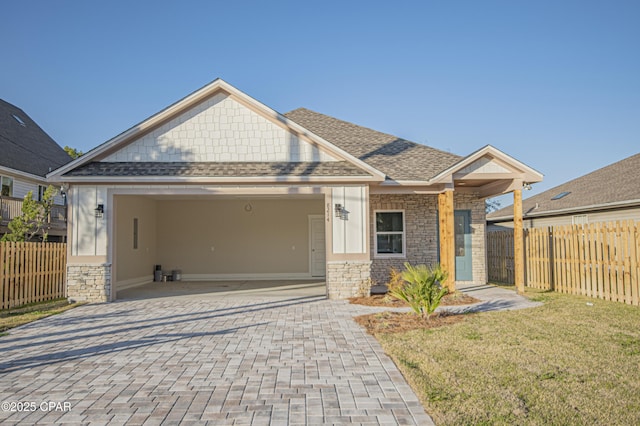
(390, 240)
(7, 186)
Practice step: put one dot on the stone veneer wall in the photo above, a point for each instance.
(478, 234)
(421, 232)
(348, 279)
(89, 282)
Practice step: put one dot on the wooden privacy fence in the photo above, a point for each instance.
(31, 272)
(599, 260)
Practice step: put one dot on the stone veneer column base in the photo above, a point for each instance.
(89, 282)
(348, 279)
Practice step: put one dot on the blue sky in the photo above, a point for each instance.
(555, 84)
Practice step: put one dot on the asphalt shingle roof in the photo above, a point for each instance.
(617, 182)
(398, 158)
(222, 169)
(25, 146)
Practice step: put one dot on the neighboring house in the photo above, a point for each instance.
(608, 194)
(27, 155)
(223, 187)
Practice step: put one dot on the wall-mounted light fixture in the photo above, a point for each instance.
(526, 186)
(99, 211)
(341, 212)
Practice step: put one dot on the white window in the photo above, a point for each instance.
(389, 239)
(7, 186)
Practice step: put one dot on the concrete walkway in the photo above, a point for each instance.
(492, 298)
(282, 359)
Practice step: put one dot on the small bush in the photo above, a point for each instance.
(395, 280)
(421, 288)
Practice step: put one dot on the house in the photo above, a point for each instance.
(28, 154)
(222, 187)
(608, 194)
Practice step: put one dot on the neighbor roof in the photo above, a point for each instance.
(617, 184)
(398, 158)
(25, 146)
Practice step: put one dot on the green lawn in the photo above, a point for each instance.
(26, 314)
(566, 362)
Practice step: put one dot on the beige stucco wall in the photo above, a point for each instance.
(214, 238)
(134, 266)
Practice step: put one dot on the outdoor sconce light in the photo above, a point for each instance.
(341, 211)
(99, 210)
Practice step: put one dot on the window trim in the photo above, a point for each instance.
(10, 185)
(402, 255)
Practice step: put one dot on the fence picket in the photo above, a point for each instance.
(598, 260)
(31, 272)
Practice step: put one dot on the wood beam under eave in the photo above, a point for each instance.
(447, 249)
(499, 187)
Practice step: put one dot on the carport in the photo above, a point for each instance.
(220, 242)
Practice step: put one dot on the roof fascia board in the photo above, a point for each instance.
(197, 97)
(433, 189)
(10, 171)
(143, 126)
(530, 174)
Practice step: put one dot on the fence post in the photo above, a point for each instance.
(552, 269)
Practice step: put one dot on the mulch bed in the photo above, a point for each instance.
(399, 322)
(452, 299)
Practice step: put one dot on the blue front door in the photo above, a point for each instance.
(462, 226)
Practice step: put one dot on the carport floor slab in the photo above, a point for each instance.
(292, 360)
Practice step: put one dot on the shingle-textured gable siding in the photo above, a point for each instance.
(220, 130)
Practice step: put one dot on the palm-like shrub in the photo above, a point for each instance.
(422, 289)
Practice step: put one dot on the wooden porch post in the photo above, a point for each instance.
(447, 249)
(518, 241)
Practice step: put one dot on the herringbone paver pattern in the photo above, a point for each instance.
(260, 361)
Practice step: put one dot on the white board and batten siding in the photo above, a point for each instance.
(89, 232)
(350, 233)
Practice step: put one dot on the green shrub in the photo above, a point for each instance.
(422, 289)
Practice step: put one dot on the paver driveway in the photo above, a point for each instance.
(269, 360)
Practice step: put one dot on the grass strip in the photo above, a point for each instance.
(573, 360)
(29, 313)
